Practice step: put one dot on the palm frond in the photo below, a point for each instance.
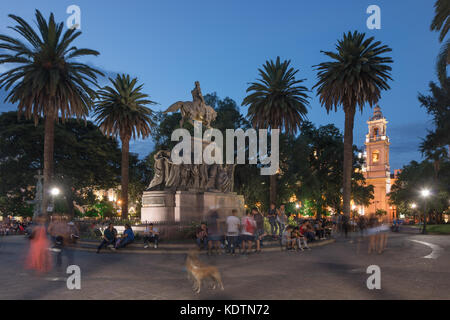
(277, 100)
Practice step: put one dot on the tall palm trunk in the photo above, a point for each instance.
(348, 159)
(273, 185)
(125, 165)
(49, 140)
(273, 188)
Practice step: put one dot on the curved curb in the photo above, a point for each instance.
(174, 252)
(436, 250)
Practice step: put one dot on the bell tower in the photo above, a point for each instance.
(377, 170)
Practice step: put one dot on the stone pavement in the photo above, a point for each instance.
(336, 271)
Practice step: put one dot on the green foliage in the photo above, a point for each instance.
(47, 79)
(356, 74)
(277, 100)
(417, 176)
(292, 221)
(102, 209)
(441, 20)
(85, 159)
(437, 104)
(121, 111)
(381, 212)
(14, 205)
(314, 172)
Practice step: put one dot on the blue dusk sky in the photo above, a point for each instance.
(170, 44)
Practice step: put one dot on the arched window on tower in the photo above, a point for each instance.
(376, 132)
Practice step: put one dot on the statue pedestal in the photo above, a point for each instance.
(188, 206)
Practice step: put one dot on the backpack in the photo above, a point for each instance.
(249, 227)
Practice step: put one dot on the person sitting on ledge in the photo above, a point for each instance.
(202, 236)
(108, 238)
(286, 238)
(151, 235)
(127, 237)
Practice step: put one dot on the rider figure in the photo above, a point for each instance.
(197, 96)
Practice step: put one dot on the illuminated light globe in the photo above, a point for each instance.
(54, 191)
(425, 193)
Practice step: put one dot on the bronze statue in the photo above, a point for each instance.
(194, 110)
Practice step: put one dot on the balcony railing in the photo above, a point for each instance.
(378, 138)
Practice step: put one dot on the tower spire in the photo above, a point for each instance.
(377, 115)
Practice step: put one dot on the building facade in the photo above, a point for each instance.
(377, 170)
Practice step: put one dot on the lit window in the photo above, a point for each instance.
(375, 156)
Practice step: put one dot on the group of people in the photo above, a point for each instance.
(246, 234)
(15, 227)
(112, 240)
(240, 233)
(372, 227)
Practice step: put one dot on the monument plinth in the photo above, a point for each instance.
(179, 206)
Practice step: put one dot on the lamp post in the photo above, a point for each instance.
(425, 194)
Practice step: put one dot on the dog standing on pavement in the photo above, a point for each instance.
(199, 271)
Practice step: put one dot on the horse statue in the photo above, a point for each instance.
(196, 110)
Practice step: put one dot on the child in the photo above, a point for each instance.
(299, 238)
(286, 238)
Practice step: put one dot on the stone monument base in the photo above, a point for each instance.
(186, 206)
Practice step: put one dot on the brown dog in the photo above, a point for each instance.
(199, 271)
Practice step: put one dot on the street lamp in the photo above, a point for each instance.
(54, 191)
(425, 194)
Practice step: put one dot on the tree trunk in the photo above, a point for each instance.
(348, 159)
(69, 199)
(273, 188)
(273, 185)
(125, 165)
(49, 140)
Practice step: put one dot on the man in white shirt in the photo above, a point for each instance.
(248, 232)
(233, 224)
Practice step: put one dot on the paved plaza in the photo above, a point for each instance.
(333, 271)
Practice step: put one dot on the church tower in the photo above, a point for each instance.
(377, 170)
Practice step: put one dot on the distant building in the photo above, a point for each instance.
(376, 169)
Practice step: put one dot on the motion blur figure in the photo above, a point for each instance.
(39, 258)
(377, 235)
(62, 234)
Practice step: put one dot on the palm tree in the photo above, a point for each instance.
(355, 76)
(277, 101)
(441, 21)
(432, 151)
(120, 111)
(437, 104)
(45, 81)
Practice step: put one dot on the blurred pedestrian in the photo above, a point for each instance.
(39, 258)
(248, 232)
(214, 232)
(233, 223)
(259, 232)
(272, 216)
